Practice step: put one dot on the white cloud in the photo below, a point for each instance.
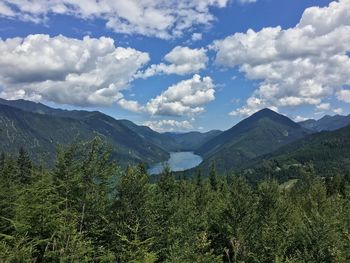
(184, 98)
(247, 1)
(323, 106)
(180, 61)
(196, 37)
(65, 70)
(169, 125)
(338, 111)
(130, 105)
(300, 118)
(300, 65)
(344, 95)
(5, 10)
(158, 18)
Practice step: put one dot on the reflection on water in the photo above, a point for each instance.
(178, 161)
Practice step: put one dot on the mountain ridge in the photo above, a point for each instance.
(327, 123)
(250, 138)
(34, 130)
(135, 142)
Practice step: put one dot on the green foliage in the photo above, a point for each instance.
(86, 209)
(24, 167)
(328, 151)
(260, 134)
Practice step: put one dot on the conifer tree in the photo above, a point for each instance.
(2, 163)
(24, 167)
(213, 178)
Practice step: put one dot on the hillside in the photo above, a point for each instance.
(160, 139)
(192, 140)
(167, 141)
(329, 151)
(259, 134)
(40, 134)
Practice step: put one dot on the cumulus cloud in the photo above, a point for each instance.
(169, 125)
(159, 18)
(130, 105)
(295, 66)
(338, 111)
(180, 61)
(300, 119)
(184, 98)
(67, 71)
(344, 95)
(323, 106)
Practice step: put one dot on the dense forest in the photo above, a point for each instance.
(88, 209)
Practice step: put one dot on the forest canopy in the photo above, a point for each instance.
(88, 209)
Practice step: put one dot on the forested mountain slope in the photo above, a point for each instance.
(328, 151)
(259, 134)
(41, 133)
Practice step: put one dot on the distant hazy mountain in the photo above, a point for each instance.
(259, 134)
(40, 133)
(192, 140)
(40, 108)
(161, 140)
(327, 123)
(172, 142)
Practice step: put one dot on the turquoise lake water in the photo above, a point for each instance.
(178, 161)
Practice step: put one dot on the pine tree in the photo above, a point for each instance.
(24, 167)
(213, 178)
(2, 163)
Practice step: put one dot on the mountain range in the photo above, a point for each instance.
(259, 134)
(264, 135)
(40, 129)
(327, 123)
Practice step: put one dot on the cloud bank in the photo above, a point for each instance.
(164, 19)
(185, 98)
(63, 70)
(295, 66)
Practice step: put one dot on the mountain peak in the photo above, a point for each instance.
(265, 112)
(268, 114)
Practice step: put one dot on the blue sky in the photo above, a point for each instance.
(179, 65)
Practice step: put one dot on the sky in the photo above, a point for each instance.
(178, 65)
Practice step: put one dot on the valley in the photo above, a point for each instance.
(174, 131)
(41, 130)
(178, 162)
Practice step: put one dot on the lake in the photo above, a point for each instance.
(178, 161)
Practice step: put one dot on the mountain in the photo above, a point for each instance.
(40, 129)
(41, 133)
(160, 139)
(329, 151)
(40, 108)
(327, 123)
(192, 141)
(259, 134)
(170, 141)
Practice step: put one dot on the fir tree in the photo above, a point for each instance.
(24, 167)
